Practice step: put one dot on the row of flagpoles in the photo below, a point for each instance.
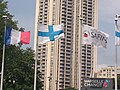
(46, 33)
(89, 35)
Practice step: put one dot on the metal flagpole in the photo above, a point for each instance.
(2, 71)
(116, 68)
(35, 73)
(80, 17)
(36, 40)
(116, 19)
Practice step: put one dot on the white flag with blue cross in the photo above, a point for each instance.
(48, 33)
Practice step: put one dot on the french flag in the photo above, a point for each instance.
(14, 37)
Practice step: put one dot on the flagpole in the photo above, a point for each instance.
(116, 19)
(35, 73)
(80, 17)
(116, 68)
(3, 57)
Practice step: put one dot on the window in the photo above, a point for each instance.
(113, 75)
(113, 70)
(103, 74)
(104, 70)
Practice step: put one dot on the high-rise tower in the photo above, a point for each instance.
(60, 61)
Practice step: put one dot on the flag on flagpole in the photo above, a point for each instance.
(49, 33)
(117, 35)
(90, 35)
(14, 37)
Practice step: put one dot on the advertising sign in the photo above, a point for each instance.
(97, 84)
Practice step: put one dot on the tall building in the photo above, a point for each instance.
(63, 61)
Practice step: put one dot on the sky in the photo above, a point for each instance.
(107, 9)
(24, 13)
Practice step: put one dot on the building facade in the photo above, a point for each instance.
(107, 72)
(63, 61)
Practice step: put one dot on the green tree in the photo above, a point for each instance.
(10, 22)
(18, 71)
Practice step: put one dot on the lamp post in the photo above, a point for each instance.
(13, 84)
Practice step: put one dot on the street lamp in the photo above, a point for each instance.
(13, 81)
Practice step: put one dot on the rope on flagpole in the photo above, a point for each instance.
(3, 57)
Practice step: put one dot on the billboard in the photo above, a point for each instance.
(97, 84)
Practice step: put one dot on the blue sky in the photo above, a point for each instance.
(24, 11)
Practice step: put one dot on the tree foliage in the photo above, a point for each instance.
(18, 71)
(10, 22)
